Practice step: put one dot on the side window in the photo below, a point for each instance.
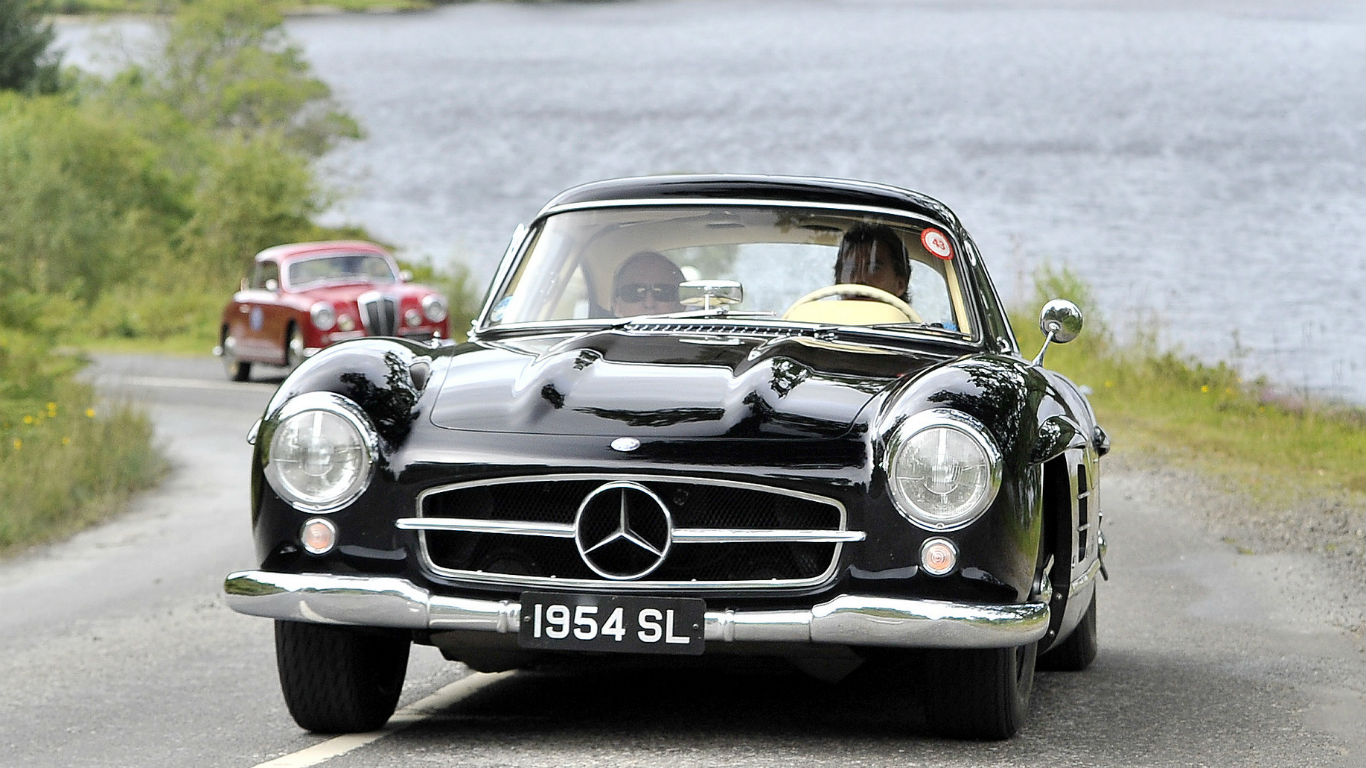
(994, 320)
(929, 295)
(265, 271)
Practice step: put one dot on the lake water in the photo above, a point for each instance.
(1201, 165)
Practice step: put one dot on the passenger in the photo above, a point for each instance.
(646, 284)
(872, 254)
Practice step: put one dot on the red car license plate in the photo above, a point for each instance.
(617, 623)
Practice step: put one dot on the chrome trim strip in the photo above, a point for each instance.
(680, 535)
(859, 620)
(652, 324)
(467, 525)
(838, 537)
(703, 202)
(1088, 576)
(752, 535)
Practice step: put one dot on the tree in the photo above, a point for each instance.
(26, 64)
(235, 115)
(229, 67)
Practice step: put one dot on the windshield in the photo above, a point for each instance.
(341, 268)
(625, 262)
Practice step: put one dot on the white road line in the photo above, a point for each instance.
(413, 713)
(160, 381)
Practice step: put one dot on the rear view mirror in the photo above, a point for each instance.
(1060, 321)
(710, 294)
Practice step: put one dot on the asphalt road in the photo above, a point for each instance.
(116, 650)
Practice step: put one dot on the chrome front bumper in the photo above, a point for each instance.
(375, 601)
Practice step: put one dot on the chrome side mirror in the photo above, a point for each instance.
(1060, 321)
(710, 294)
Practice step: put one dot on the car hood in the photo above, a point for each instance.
(347, 293)
(617, 383)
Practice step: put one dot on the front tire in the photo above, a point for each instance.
(979, 694)
(339, 679)
(236, 369)
(294, 348)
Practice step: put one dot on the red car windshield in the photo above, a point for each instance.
(340, 268)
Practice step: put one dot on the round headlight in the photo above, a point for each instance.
(434, 307)
(323, 315)
(943, 469)
(321, 453)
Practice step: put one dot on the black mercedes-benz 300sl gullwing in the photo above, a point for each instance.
(776, 415)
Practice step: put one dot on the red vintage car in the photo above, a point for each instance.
(302, 297)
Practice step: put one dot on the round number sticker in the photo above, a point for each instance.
(937, 242)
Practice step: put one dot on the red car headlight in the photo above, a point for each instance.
(323, 315)
(434, 308)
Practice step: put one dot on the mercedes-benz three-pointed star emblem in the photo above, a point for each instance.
(623, 531)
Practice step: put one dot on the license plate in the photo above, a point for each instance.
(616, 623)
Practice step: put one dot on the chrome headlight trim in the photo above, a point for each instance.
(434, 308)
(987, 485)
(323, 315)
(366, 440)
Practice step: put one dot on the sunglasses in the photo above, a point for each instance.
(635, 292)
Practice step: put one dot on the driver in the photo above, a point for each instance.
(872, 254)
(646, 284)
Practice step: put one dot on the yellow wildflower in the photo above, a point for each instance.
(1204, 388)
(18, 444)
(52, 410)
(28, 419)
(66, 441)
(90, 413)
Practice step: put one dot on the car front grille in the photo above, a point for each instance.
(630, 532)
(378, 313)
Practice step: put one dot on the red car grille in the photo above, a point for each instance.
(378, 313)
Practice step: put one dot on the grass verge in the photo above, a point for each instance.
(1286, 474)
(66, 461)
(1160, 405)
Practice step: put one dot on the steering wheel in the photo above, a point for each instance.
(857, 289)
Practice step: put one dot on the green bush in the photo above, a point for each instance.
(86, 203)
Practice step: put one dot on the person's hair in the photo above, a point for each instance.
(865, 235)
(640, 258)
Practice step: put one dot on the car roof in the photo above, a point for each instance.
(294, 250)
(800, 189)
